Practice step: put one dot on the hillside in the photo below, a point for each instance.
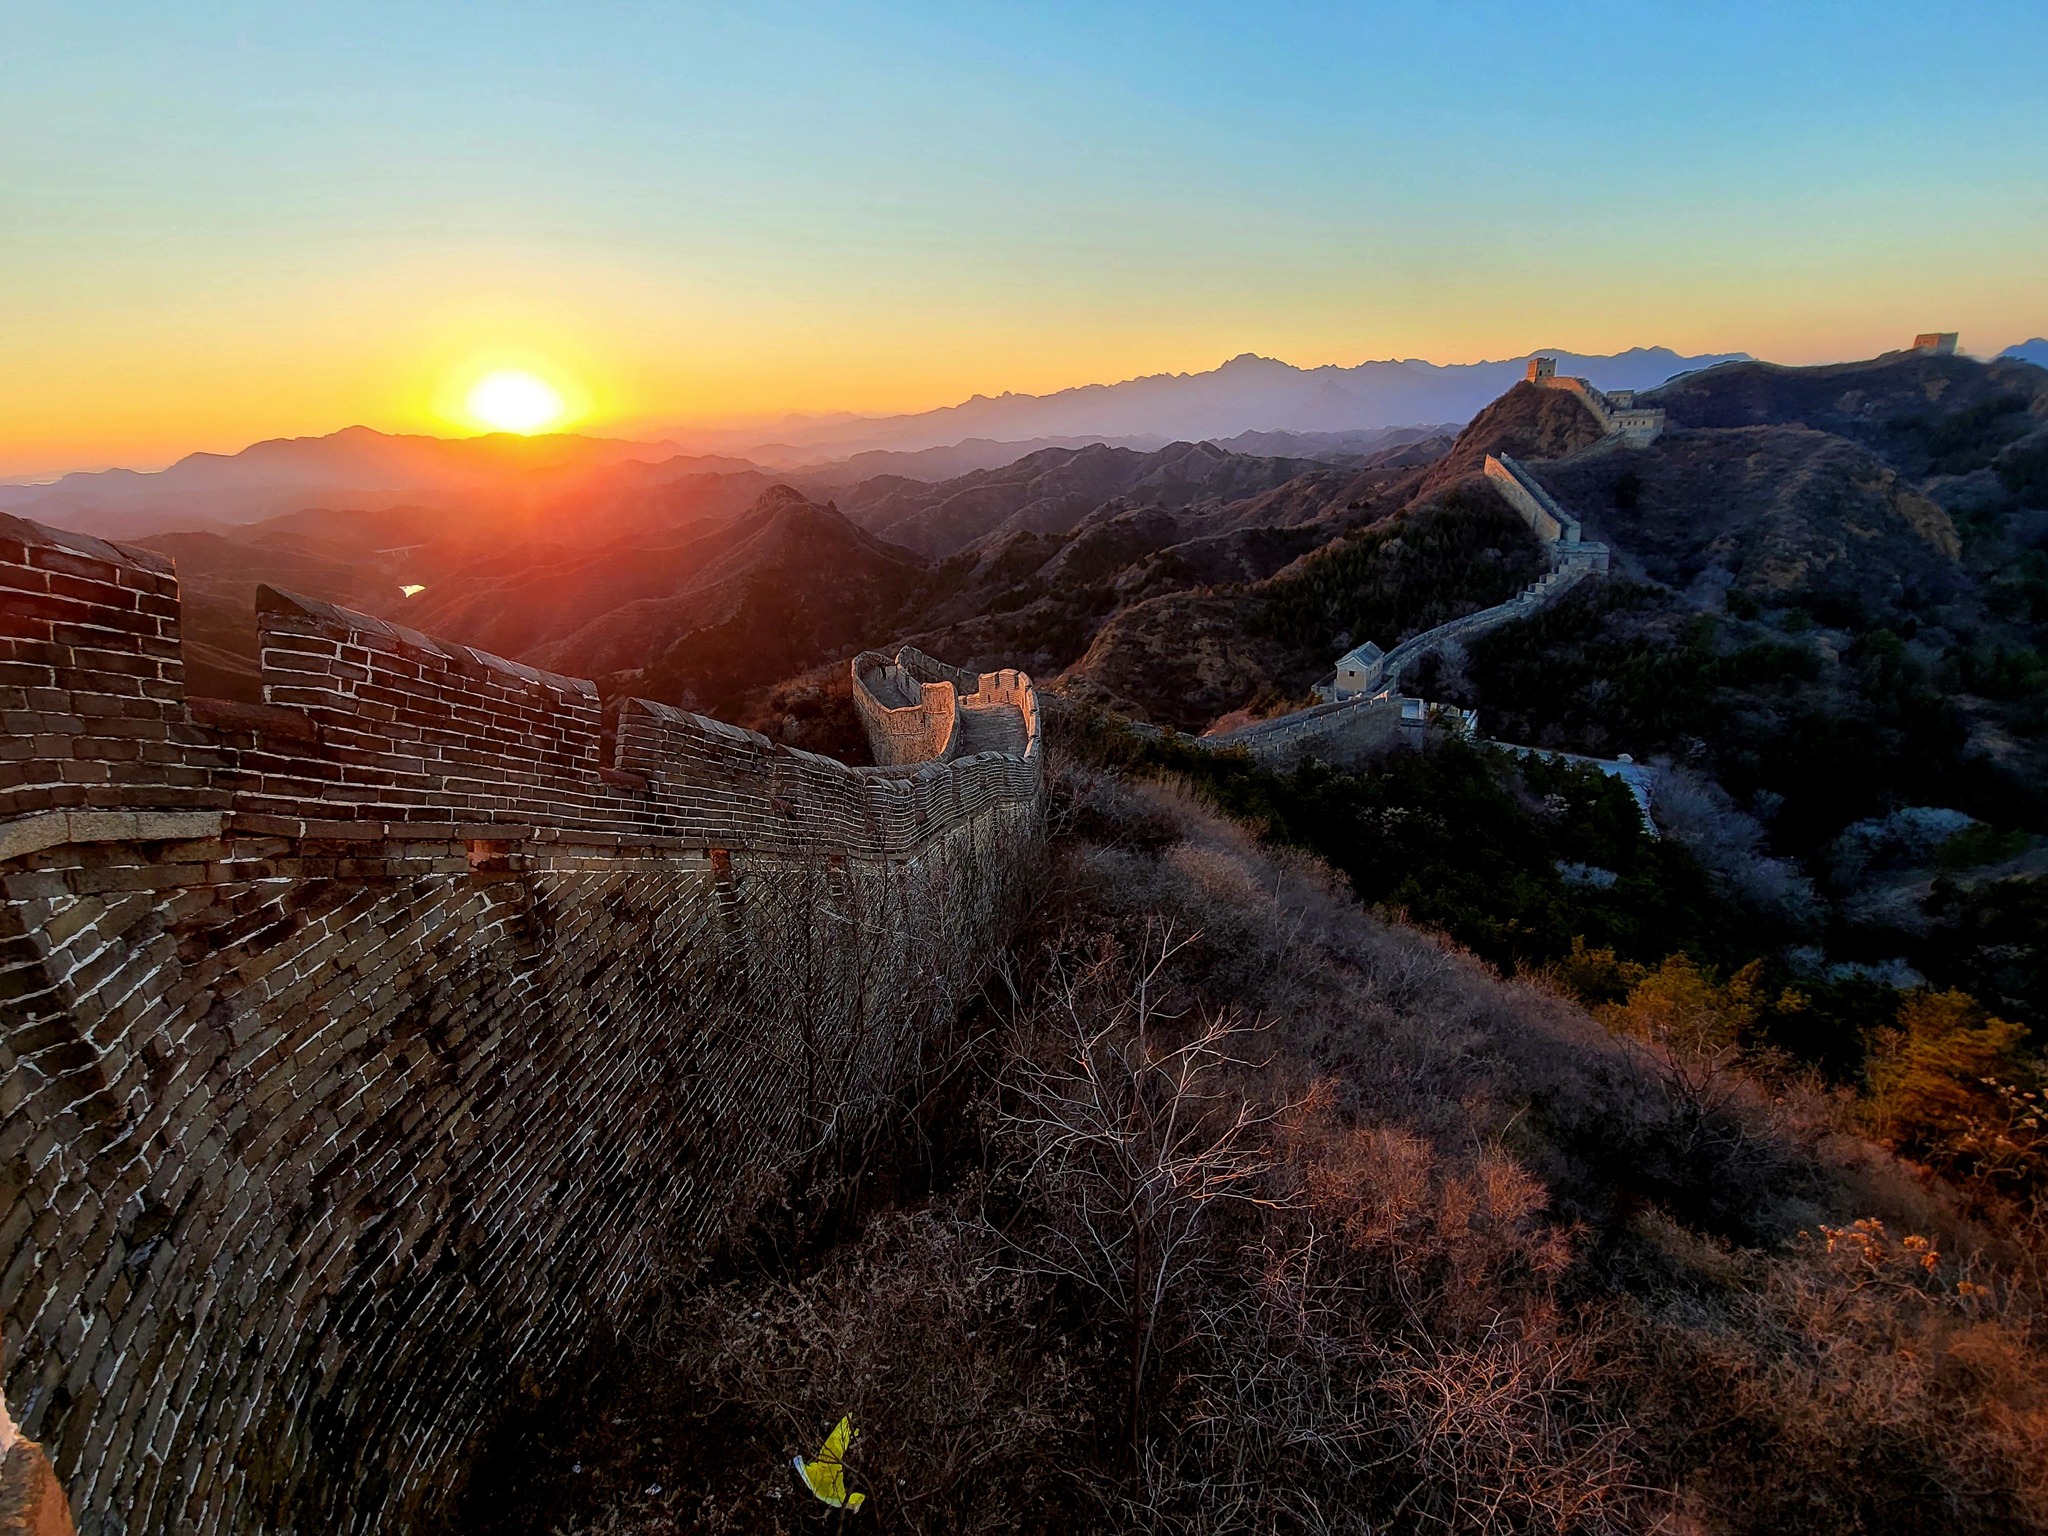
(1771, 513)
(1527, 422)
(1241, 1209)
(1838, 639)
(1051, 491)
(771, 593)
(1395, 550)
(466, 560)
(1890, 404)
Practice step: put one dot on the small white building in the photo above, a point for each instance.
(1358, 670)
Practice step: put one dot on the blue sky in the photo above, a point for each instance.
(224, 221)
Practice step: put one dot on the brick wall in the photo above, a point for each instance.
(362, 1051)
(1637, 426)
(909, 704)
(1343, 733)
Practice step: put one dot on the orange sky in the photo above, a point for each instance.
(247, 221)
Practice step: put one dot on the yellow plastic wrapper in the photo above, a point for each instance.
(825, 1473)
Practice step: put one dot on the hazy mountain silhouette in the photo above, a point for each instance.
(548, 563)
(1247, 394)
(1051, 491)
(355, 467)
(2035, 351)
(976, 453)
(1299, 412)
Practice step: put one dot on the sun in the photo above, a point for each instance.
(513, 400)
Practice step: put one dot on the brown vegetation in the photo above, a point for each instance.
(1423, 1250)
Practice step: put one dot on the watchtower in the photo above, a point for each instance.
(1542, 370)
(1940, 343)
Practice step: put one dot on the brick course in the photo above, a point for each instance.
(361, 1051)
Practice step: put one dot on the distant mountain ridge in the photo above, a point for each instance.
(1247, 394)
(356, 467)
(1250, 403)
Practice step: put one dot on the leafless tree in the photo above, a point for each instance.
(1138, 1127)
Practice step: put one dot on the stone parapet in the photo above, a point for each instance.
(1559, 532)
(367, 1050)
(1472, 625)
(1618, 414)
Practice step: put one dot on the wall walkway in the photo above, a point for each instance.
(365, 1051)
(1618, 414)
(1378, 716)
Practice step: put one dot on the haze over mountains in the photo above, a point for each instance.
(356, 468)
(1247, 394)
(1336, 410)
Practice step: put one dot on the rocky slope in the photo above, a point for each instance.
(1052, 491)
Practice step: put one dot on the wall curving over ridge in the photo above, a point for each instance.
(362, 1051)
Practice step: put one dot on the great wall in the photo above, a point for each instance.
(1361, 710)
(368, 1050)
(1619, 416)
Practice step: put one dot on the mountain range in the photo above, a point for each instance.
(1251, 404)
(1247, 394)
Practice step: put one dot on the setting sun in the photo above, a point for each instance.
(513, 400)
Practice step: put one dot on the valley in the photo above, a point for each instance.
(1824, 609)
(1665, 886)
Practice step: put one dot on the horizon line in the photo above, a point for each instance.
(658, 427)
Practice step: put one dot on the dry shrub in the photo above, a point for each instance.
(1535, 1276)
(971, 1409)
(1732, 845)
(1137, 1129)
(1857, 1382)
(1398, 1357)
(1479, 1263)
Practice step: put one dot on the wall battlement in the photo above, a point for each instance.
(1618, 414)
(1344, 733)
(1562, 538)
(367, 1049)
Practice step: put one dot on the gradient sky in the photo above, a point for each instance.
(220, 222)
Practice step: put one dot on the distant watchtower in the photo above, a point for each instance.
(1940, 343)
(1542, 370)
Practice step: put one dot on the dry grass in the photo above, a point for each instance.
(1428, 1251)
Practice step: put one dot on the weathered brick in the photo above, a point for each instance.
(289, 1068)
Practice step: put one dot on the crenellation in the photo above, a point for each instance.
(1620, 418)
(428, 1002)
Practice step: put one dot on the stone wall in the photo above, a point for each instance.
(1571, 557)
(908, 705)
(1559, 532)
(1551, 585)
(1343, 734)
(363, 1051)
(1618, 414)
